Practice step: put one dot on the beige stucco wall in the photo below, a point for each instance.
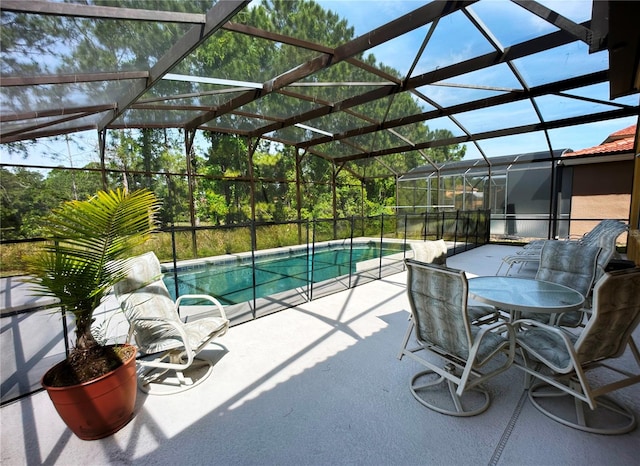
(600, 191)
(598, 207)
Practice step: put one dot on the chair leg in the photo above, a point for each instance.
(634, 350)
(182, 380)
(527, 362)
(405, 340)
(454, 396)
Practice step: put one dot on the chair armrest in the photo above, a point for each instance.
(497, 327)
(206, 297)
(473, 361)
(561, 332)
(517, 325)
(500, 326)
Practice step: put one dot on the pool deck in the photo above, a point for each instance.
(320, 384)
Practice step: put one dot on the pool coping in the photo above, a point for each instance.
(244, 257)
(248, 310)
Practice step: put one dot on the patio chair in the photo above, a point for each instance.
(168, 346)
(556, 361)
(604, 235)
(572, 265)
(438, 299)
(435, 252)
(590, 237)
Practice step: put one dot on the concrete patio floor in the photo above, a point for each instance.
(320, 384)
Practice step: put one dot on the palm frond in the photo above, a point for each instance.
(90, 241)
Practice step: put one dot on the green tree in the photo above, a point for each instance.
(138, 156)
(227, 169)
(22, 204)
(66, 185)
(155, 159)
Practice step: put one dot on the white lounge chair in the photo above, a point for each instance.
(168, 346)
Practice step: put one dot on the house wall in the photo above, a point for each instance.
(600, 191)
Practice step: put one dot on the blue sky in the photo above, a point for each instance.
(510, 24)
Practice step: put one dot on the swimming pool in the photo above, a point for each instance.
(232, 283)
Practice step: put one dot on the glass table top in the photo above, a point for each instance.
(524, 294)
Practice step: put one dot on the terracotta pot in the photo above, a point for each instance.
(99, 408)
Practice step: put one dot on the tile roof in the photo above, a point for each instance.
(629, 131)
(620, 141)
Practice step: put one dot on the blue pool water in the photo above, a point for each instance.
(232, 283)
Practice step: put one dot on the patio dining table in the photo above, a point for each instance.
(516, 295)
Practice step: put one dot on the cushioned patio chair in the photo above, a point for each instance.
(590, 237)
(604, 235)
(572, 265)
(435, 252)
(168, 346)
(438, 299)
(556, 361)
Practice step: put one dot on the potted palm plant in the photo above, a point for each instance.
(94, 388)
